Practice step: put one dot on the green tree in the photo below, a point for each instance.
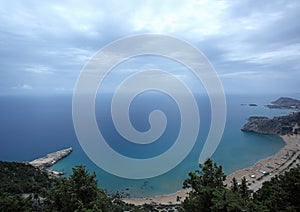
(84, 185)
(203, 182)
(235, 185)
(78, 193)
(210, 194)
(241, 189)
(244, 190)
(282, 193)
(226, 200)
(15, 203)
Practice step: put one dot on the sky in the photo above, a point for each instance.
(254, 46)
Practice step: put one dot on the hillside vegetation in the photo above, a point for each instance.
(25, 188)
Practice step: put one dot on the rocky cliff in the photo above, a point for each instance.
(282, 125)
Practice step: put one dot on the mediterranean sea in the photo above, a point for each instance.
(33, 125)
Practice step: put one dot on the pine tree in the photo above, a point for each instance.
(78, 193)
(203, 182)
(244, 190)
(235, 186)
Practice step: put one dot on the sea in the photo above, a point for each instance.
(32, 126)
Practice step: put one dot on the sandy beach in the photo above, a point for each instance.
(166, 199)
(260, 172)
(266, 168)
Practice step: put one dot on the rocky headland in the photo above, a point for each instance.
(285, 103)
(50, 159)
(282, 125)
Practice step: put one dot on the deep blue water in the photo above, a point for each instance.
(32, 126)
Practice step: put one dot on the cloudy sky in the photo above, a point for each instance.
(253, 45)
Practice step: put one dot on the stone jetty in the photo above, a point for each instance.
(50, 159)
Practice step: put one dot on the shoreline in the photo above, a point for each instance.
(164, 199)
(255, 175)
(268, 167)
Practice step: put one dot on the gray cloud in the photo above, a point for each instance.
(46, 44)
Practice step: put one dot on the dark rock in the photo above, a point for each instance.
(281, 125)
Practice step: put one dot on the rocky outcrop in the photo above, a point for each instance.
(285, 103)
(281, 125)
(50, 159)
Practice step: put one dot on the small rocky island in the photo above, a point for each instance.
(50, 159)
(285, 103)
(252, 105)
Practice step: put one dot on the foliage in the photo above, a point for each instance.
(20, 178)
(210, 175)
(15, 202)
(282, 193)
(80, 192)
(226, 200)
(241, 189)
(210, 194)
(204, 183)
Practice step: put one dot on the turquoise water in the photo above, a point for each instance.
(237, 150)
(32, 126)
